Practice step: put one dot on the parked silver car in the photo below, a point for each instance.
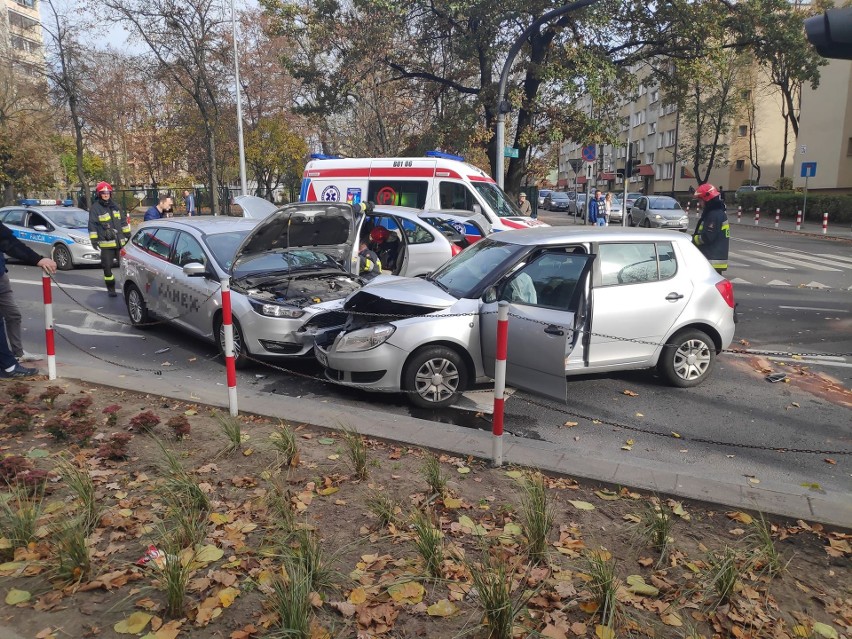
(53, 229)
(581, 301)
(660, 211)
(289, 269)
(577, 207)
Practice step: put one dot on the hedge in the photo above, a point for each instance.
(838, 207)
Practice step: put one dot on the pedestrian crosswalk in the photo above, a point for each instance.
(749, 254)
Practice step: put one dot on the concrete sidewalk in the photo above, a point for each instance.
(772, 498)
(834, 230)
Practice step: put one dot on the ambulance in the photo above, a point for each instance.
(437, 181)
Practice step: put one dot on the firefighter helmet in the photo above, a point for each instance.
(379, 234)
(103, 186)
(706, 192)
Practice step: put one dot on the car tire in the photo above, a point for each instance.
(62, 257)
(630, 220)
(241, 358)
(137, 309)
(646, 223)
(420, 370)
(687, 359)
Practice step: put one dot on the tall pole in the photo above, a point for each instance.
(243, 183)
(627, 159)
(503, 106)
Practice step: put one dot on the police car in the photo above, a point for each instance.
(54, 229)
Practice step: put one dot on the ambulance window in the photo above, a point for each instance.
(455, 196)
(398, 192)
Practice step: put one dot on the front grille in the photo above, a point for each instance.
(368, 377)
(325, 320)
(285, 348)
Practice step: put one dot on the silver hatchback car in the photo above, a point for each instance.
(660, 211)
(581, 301)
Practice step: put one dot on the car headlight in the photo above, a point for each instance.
(85, 241)
(364, 339)
(276, 310)
(657, 216)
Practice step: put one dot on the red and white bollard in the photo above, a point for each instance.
(687, 209)
(777, 217)
(48, 325)
(825, 223)
(230, 364)
(757, 216)
(799, 220)
(739, 214)
(499, 383)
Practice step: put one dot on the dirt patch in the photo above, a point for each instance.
(262, 515)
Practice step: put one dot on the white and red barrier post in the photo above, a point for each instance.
(777, 217)
(757, 216)
(49, 340)
(825, 223)
(739, 214)
(230, 364)
(499, 384)
(799, 220)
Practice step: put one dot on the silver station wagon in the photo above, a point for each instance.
(580, 301)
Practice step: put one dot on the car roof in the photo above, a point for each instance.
(551, 235)
(50, 208)
(203, 223)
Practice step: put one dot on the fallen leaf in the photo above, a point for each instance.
(334, 456)
(604, 632)
(357, 596)
(227, 596)
(581, 505)
(638, 586)
(326, 441)
(645, 562)
(514, 474)
(753, 480)
(578, 629)
(606, 495)
(134, 624)
(409, 592)
(570, 424)
(630, 393)
(675, 435)
(672, 619)
(828, 460)
(452, 503)
(15, 596)
(824, 630)
(442, 608)
(462, 470)
(327, 491)
(743, 518)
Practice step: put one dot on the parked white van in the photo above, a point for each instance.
(437, 181)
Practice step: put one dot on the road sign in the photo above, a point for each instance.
(510, 152)
(576, 165)
(809, 169)
(590, 170)
(590, 152)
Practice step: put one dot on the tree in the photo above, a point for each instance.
(188, 44)
(276, 155)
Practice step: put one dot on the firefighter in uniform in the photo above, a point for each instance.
(108, 231)
(712, 233)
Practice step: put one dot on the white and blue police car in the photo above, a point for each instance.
(54, 229)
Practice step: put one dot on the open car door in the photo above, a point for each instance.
(545, 326)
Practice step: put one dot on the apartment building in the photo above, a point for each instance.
(22, 37)
(754, 145)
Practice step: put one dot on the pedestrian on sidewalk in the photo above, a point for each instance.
(525, 207)
(159, 210)
(597, 214)
(11, 348)
(189, 202)
(607, 208)
(107, 231)
(712, 233)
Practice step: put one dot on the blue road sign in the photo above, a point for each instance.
(510, 152)
(808, 169)
(590, 152)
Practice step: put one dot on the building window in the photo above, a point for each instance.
(27, 3)
(655, 95)
(740, 165)
(649, 159)
(746, 94)
(652, 128)
(670, 137)
(743, 130)
(23, 44)
(665, 171)
(660, 141)
(18, 21)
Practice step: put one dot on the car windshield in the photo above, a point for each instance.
(558, 196)
(70, 219)
(280, 261)
(664, 204)
(451, 229)
(224, 246)
(464, 274)
(497, 199)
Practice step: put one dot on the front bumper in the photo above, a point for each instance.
(81, 254)
(674, 225)
(378, 369)
(276, 337)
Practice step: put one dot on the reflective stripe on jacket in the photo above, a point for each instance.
(712, 234)
(106, 226)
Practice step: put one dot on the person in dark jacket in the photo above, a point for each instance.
(108, 231)
(596, 210)
(712, 233)
(368, 262)
(160, 209)
(12, 246)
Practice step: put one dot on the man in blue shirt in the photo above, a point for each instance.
(158, 211)
(597, 214)
(189, 201)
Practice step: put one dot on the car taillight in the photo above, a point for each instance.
(455, 249)
(726, 290)
(123, 252)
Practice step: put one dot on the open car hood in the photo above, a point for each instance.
(255, 208)
(327, 227)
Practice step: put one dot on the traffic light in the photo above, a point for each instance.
(831, 33)
(630, 168)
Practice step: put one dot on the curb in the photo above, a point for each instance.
(771, 498)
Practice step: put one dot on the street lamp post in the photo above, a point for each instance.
(243, 182)
(502, 105)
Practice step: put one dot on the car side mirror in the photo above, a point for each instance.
(490, 295)
(41, 228)
(477, 208)
(195, 269)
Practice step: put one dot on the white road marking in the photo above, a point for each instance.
(777, 283)
(84, 330)
(738, 280)
(836, 257)
(759, 261)
(822, 360)
(817, 259)
(787, 260)
(816, 285)
(812, 308)
(79, 287)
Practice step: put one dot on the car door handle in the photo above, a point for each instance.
(674, 297)
(554, 330)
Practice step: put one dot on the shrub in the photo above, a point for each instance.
(838, 207)
(111, 412)
(12, 466)
(80, 406)
(64, 429)
(19, 391)
(179, 425)
(19, 417)
(144, 421)
(115, 447)
(50, 394)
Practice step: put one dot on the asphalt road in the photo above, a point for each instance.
(795, 305)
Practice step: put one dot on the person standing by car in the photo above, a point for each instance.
(107, 231)
(712, 233)
(11, 348)
(597, 214)
(189, 202)
(158, 210)
(525, 206)
(607, 209)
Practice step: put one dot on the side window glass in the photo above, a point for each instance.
(15, 217)
(188, 251)
(455, 196)
(668, 262)
(414, 233)
(398, 193)
(143, 238)
(162, 241)
(628, 263)
(549, 281)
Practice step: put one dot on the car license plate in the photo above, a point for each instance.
(321, 357)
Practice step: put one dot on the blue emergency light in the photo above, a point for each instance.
(323, 156)
(37, 202)
(444, 156)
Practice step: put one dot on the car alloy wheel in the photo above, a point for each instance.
(437, 375)
(137, 309)
(62, 257)
(688, 359)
